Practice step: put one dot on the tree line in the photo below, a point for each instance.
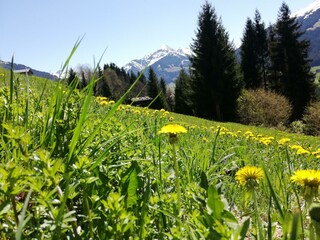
(273, 58)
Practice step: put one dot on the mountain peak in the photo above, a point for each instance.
(166, 62)
(308, 10)
(166, 47)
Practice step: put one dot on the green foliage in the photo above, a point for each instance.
(261, 107)
(83, 168)
(215, 85)
(312, 119)
(155, 92)
(290, 68)
(183, 94)
(254, 53)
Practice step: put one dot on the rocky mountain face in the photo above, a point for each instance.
(166, 63)
(309, 18)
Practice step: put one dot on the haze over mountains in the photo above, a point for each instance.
(167, 62)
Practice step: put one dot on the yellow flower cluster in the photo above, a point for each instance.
(103, 101)
(173, 129)
(306, 178)
(283, 141)
(300, 150)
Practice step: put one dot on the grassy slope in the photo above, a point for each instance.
(296, 138)
(127, 164)
(39, 83)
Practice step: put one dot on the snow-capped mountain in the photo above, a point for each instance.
(309, 17)
(166, 63)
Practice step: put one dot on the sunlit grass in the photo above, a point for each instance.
(74, 165)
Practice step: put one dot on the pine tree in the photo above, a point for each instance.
(261, 49)
(71, 76)
(102, 88)
(290, 63)
(249, 58)
(163, 86)
(164, 96)
(254, 53)
(182, 94)
(154, 91)
(215, 84)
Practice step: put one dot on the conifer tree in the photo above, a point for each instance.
(249, 58)
(213, 68)
(261, 49)
(71, 76)
(154, 91)
(164, 96)
(163, 86)
(254, 53)
(102, 88)
(290, 63)
(182, 94)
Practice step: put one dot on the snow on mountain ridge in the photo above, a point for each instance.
(307, 11)
(154, 57)
(166, 62)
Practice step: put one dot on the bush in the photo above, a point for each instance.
(261, 107)
(312, 119)
(297, 127)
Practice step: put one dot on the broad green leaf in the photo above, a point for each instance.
(214, 202)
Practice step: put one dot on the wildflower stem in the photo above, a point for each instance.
(177, 173)
(257, 218)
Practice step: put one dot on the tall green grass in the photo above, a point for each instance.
(76, 166)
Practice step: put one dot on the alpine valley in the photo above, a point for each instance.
(167, 62)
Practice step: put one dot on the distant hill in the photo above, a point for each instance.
(7, 65)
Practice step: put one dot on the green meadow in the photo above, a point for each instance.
(78, 166)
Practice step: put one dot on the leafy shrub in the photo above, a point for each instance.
(260, 107)
(312, 119)
(297, 127)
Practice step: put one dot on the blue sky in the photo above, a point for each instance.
(41, 33)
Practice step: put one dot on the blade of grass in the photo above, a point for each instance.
(273, 194)
(22, 220)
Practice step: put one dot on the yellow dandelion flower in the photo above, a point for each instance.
(302, 151)
(224, 129)
(295, 147)
(248, 134)
(266, 140)
(249, 173)
(103, 103)
(316, 153)
(306, 178)
(172, 129)
(283, 141)
(205, 140)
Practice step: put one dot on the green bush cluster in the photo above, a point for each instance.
(312, 119)
(261, 107)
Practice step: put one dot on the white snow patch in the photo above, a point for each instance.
(307, 10)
